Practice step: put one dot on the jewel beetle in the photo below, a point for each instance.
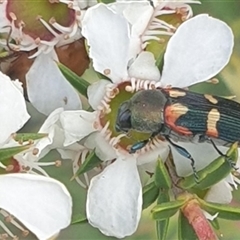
(180, 115)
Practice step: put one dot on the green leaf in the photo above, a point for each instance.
(150, 194)
(190, 181)
(101, 76)
(162, 179)
(77, 82)
(223, 210)
(215, 223)
(166, 210)
(79, 218)
(90, 162)
(6, 153)
(162, 226)
(163, 196)
(22, 137)
(185, 230)
(213, 173)
(4, 54)
(106, 1)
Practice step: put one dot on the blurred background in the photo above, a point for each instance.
(229, 84)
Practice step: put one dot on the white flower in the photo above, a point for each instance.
(65, 141)
(12, 108)
(13, 115)
(54, 24)
(203, 42)
(43, 205)
(114, 199)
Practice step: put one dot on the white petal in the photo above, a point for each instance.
(71, 152)
(3, 19)
(51, 120)
(144, 67)
(162, 151)
(102, 147)
(202, 153)
(77, 125)
(96, 92)
(219, 193)
(47, 87)
(44, 145)
(198, 50)
(83, 4)
(114, 200)
(54, 140)
(42, 204)
(231, 180)
(108, 37)
(18, 85)
(138, 14)
(13, 110)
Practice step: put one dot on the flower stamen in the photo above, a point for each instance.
(82, 157)
(10, 219)
(59, 27)
(115, 140)
(105, 128)
(8, 232)
(47, 26)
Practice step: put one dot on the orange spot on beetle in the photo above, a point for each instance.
(171, 115)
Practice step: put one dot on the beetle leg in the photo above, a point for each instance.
(138, 145)
(186, 154)
(227, 158)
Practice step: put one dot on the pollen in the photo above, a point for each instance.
(9, 168)
(128, 89)
(25, 233)
(37, 41)
(70, 5)
(107, 71)
(35, 151)
(52, 20)
(58, 163)
(66, 37)
(13, 16)
(116, 91)
(8, 218)
(30, 141)
(3, 236)
(53, 1)
(161, 40)
(96, 125)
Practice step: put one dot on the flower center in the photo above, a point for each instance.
(124, 91)
(26, 15)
